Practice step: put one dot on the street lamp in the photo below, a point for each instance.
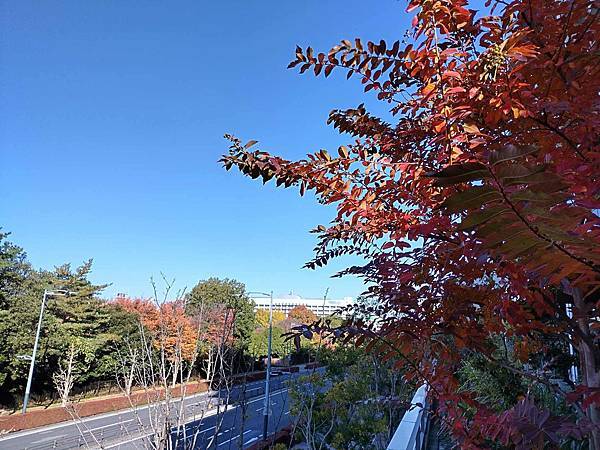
(47, 294)
(267, 402)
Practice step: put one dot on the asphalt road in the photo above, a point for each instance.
(130, 429)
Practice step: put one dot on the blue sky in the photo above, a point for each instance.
(111, 122)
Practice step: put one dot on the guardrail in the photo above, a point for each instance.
(411, 433)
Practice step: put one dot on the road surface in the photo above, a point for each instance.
(130, 429)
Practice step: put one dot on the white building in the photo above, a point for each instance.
(285, 303)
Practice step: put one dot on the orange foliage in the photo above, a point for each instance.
(301, 314)
(168, 324)
(215, 325)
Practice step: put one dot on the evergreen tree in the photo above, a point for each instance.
(81, 319)
(14, 270)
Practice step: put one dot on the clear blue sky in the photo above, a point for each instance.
(111, 122)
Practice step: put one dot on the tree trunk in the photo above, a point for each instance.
(68, 381)
(590, 364)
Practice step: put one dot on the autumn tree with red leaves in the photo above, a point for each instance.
(301, 314)
(170, 328)
(474, 204)
(159, 361)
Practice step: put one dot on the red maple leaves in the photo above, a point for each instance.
(475, 210)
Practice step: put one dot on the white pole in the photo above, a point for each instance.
(35, 346)
(267, 403)
(573, 372)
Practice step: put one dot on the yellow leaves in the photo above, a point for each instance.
(456, 152)
(446, 111)
(324, 155)
(471, 128)
(428, 90)
(519, 112)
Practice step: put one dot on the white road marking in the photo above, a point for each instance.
(135, 410)
(143, 436)
(251, 441)
(108, 426)
(235, 437)
(55, 426)
(273, 393)
(192, 431)
(48, 439)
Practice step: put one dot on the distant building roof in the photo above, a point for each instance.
(290, 296)
(286, 302)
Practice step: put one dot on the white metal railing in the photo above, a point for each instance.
(412, 431)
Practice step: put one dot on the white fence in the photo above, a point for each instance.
(411, 434)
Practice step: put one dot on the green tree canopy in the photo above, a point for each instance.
(14, 268)
(260, 341)
(97, 326)
(353, 404)
(230, 293)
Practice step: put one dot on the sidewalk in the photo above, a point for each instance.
(39, 417)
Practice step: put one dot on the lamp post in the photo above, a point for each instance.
(47, 294)
(573, 371)
(267, 402)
